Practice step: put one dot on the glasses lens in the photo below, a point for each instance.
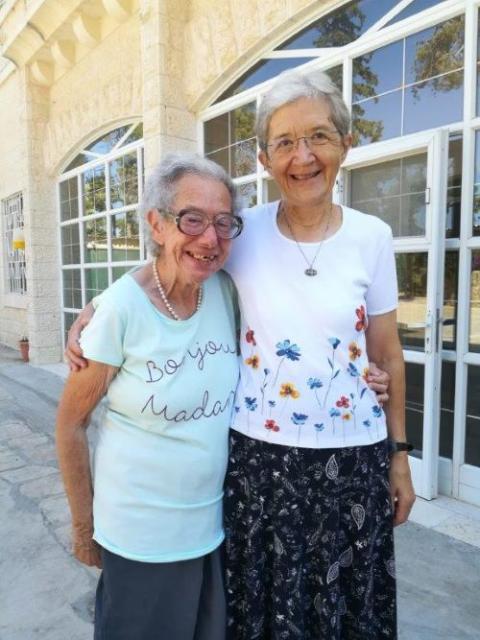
(192, 223)
(283, 146)
(226, 226)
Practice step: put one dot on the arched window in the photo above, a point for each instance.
(98, 195)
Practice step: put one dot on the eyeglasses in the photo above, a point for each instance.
(194, 223)
(285, 146)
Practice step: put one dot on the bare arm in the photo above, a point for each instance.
(383, 346)
(73, 352)
(83, 391)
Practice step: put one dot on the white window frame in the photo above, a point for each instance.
(14, 296)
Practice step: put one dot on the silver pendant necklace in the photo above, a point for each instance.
(164, 298)
(310, 271)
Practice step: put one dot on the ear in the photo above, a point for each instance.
(157, 225)
(347, 143)
(263, 157)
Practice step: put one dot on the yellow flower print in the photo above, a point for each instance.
(253, 361)
(346, 416)
(288, 389)
(355, 351)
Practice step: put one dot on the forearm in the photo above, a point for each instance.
(395, 407)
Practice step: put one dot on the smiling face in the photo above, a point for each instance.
(192, 259)
(305, 176)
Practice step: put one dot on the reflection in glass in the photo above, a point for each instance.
(69, 199)
(242, 123)
(395, 192)
(243, 158)
(94, 190)
(72, 291)
(70, 244)
(414, 406)
(474, 340)
(336, 76)
(271, 191)
(476, 187)
(472, 439)
(415, 7)
(425, 110)
(447, 406)
(95, 240)
(107, 142)
(221, 157)
(68, 320)
(262, 71)
(378, 72)
(81, 158)
(96, 281)
(454, 188)
(412, 299)
(248, 194)
(125, 238)
(216, 133)
(434, 52)
(136, 134)
(342, 26)
(123, 181)
(450, 300)
(377, 118)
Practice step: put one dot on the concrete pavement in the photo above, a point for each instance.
(46, 595)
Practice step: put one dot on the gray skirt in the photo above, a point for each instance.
(160, 601)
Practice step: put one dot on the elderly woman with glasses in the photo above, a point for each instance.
(318, 472)
(155, 507)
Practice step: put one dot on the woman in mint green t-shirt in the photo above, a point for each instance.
(162, 348)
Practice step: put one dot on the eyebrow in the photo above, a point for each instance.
(311, 130)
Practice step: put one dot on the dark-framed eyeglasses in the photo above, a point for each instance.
(194, 223)
(284, 146)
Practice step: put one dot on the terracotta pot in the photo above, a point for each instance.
(24, 347)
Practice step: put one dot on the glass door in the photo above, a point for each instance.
(403, 182)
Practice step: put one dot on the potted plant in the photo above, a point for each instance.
(24, 347)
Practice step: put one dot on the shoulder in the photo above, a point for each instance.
(118, 295)
(259, 212)
(366, 225)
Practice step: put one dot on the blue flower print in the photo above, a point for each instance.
(377, 411)
(353, 371)
(299, 419)
(288, 350)
(368, 424)
(333, 373)
(251, 403)
(319, 427)
(271, 403)
(334, 413)
(334, 342)
(314, 383)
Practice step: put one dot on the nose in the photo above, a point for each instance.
(209, 236)
(302, 149)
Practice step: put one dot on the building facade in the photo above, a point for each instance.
(93, 92)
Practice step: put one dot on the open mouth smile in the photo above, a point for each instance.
(305, 176)
(201, 258)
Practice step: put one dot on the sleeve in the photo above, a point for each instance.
(382, 295)
(103, 337)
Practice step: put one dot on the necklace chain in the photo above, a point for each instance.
(164, 298)
(310, 271)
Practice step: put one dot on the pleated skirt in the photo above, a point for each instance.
(309, 549)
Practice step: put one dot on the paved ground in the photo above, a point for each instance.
(46, 595)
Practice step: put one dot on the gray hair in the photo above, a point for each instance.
(292, 85)
(160, 187)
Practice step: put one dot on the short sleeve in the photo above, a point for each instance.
(382, 295)
(102, 339)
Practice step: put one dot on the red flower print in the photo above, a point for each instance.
(271, 425)
(343, 402)
(250, 337)
(362, 322)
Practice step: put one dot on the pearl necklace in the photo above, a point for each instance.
(309, 271)
(164, 298)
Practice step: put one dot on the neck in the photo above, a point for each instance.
(181, 300)
(306, 217)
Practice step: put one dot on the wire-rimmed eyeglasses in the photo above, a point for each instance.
(194, 223)
(284, 146)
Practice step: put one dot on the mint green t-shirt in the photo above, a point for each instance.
(161, 454)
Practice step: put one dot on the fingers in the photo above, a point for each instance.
(74, 361)
(88, 553)
(401, 489)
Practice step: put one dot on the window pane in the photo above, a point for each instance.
(94, 190)
(95, 240)
(136, 134)
(413, 8)
(69, 199)
(414, 406)
(123, 181)
(476, 188)
(216, 133)
(336, 76)
(433, 103)
(271, 191)
(221, 157)
(117, 272)
(107, 142)
(263, 70)
(342, 26)
(377, 119)
(450, 300)
(96, 281)
(377, 72)
(72, 292)
(475, 303)
(243, 159)
(447, 406)
(248, 194)
(412, 298)
(70, 244)
(82, 158)
(454, 188)
(242, 123)
(68, 320)
(472, 441)
(125, 238)
(434, 52)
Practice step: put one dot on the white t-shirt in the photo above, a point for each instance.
(303, 338)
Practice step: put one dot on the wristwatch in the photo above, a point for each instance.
(394, 446)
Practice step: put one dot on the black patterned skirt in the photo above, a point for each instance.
(309, 551)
